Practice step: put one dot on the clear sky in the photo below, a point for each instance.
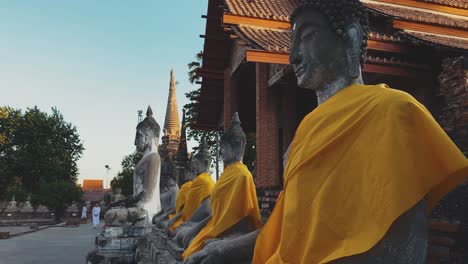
(98, 62)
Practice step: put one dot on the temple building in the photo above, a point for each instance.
(171, 130)
(418, 46)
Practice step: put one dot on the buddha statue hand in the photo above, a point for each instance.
(212, 253)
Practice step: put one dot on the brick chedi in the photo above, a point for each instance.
(170, 139)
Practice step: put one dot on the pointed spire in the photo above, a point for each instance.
(172, 83)
(235, 120)
(149, 111)
(171, 124)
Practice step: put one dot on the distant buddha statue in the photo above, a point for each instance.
(234, 205)
(12, 205)
(197, 205)
(146, 193)
(118, 195)
(27, 207)
(168, 188)
(364, 168)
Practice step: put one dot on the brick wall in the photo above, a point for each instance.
(450, 245)
(453, 83)
(266, 169)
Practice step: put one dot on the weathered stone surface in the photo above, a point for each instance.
(122, 232)
(110, 257)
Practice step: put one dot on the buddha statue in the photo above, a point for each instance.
(364, 168)
(168, 188)
(27, 207)
(12, 205)
(146, 193)
(118, 195)
(197, 205)
(196, 208)
(234, 205)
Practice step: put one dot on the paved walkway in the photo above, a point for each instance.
(67, 245)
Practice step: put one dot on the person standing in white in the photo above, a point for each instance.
(84, 213)
(96, 212)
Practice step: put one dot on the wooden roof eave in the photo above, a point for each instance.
(387, 69)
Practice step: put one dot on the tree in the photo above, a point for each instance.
(9, 122)
(57, 195)
(124, 179)
(37, 147)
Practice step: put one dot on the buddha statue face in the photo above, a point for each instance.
(143, 139)
(147, 132)
(327, 41)
(201, 162)
(233, 142)
(188, 173)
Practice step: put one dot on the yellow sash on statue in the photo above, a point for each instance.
(357, 162)
(180, 201)
(201, 188)
(234, 197)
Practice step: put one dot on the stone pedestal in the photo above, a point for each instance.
(157, 248)
(117, 245)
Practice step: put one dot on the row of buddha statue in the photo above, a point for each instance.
(205, 211)
(361, 174)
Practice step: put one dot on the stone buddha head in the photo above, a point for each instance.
(168, 174)
(188, 171)
(328, 41)
(201, 162)
(147, 132)
(233, 142)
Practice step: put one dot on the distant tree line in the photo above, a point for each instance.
(38, 157)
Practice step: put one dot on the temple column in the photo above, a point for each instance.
(267, 164)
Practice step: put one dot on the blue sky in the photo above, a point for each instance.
(98, 62)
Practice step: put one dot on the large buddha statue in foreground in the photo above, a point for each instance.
(145, 202)
(364, 168)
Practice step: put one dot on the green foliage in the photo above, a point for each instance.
(57, 195)
(124, 179)
(36, 147)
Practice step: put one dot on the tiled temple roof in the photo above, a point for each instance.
(453, 3)
(437, 40)
(416, 15)
(279, 40)
(279, 10)
(269, 9)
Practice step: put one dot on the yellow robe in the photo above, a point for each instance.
(234, 197)
(180, 201)
(357, 162)
(201, 188)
